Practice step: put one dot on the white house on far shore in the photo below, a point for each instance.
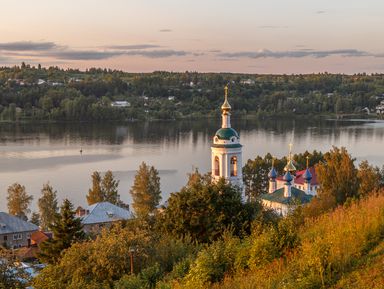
(120, 103)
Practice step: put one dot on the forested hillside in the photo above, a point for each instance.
(36, 93)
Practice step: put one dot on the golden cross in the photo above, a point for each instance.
(226, 91)
(307, 161)
(290, 150)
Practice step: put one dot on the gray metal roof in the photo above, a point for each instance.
(10, 224)
(104, 212)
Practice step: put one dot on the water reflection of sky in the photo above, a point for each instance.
(35, 154)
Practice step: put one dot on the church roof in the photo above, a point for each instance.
(307, 175)
(287, 177)
(296, 196)
(226, 133)
(272, 173)
(299, 178)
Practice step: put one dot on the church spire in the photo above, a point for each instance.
(226, 110)
(226, 107)
(290, 167)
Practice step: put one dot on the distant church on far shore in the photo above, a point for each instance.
(226, 150)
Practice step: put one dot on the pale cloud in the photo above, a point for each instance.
(98, 55)
(134, 46)
(165, 30)
(83, 54)
(158, 53)
(27, 46)
(296, 53)
(53, 50)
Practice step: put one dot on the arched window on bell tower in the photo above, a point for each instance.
(233, 166)
(217, 166)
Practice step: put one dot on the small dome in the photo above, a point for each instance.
(290, 167)
(307, 175)
(272, 173)
(226, 133)
(226, 105)
(287, 177)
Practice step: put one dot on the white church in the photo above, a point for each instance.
(293, 188)
(284, 192)
(226, 149)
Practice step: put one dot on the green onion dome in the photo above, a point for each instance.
(226, 133)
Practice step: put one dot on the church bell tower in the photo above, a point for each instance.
(226, 149)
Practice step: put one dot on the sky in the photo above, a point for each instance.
(247, 36)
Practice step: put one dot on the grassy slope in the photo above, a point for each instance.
(369, 273)
(343, 249)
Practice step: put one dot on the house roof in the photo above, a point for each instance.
(299, 177)
(10, 224)
(296, 196)
(104, 212)
(38, 237)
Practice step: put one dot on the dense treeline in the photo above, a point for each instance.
(36, 93)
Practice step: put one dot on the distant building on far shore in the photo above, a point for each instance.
(120, 103)
(380, 108)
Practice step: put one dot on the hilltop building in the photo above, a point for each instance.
(293, 188)
(226, 150)
(100, 215)
(15, 232)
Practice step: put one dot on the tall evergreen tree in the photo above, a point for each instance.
(35, 218)
(48, 208)
(66, 230)
(109, 188)
(18, 201)
(95, 194)
(146, 193)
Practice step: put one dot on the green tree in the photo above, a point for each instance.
(48, 208)
(255, 176)
(145, 191)
(204, 209)
(18, 201)
(66, 229)
(35, 218)
(109, 188)
(338, 176)
(95, 194)
(369, 178)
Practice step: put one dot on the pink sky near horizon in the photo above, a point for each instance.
(247, 36)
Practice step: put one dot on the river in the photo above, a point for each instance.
(33, 154)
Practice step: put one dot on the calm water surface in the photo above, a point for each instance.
(33, 154)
